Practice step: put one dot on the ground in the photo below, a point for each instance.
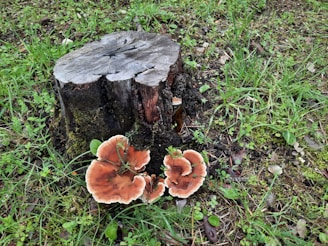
(260, 70)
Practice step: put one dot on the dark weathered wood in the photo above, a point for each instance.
(108, 86)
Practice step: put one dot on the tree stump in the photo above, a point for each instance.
(121, 84)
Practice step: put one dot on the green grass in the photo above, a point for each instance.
(265, 101)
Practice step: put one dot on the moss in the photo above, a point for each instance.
(312, 175)
(78, 137)
(262, 136)
(76, 145)
(312, 172)
(322, 158)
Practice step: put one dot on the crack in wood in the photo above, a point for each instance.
(123, 49)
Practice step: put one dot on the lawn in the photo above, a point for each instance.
(261, 125)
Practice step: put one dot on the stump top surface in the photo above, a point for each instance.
(145, 57)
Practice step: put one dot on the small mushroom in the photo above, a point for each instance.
(176, 101)
(115, 177)
(154, 189)
(179, 179)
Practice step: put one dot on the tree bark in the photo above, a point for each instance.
(121, 84)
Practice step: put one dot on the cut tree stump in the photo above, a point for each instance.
(121, 84)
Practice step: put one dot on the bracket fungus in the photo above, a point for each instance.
(115, 175)
(154, 189)
(185, 172)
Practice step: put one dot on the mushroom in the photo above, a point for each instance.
(185, 172)
(114, 176)
(176, 101)
(154, 189)
(177, 166)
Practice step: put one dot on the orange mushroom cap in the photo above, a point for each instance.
(138, 159)
(107, 186)
(117, 150)
(154, 189)
(176, 166)
(113, 149)
(114, 176)
(185, 185)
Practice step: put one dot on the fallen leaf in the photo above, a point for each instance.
(22, 49)
(210, 231)
(325, 173)
(298, 149)
(238, 156)
(301, 228)
(233, 172)
(180, 204)
(122, 11)
(310, 67)
(205, 45)
(258, 47)
(274, 157)
(270, 200)
(32, 205)
(223, 59)
(275, 169)
(199, 50)
(67, 41)
(312, 144)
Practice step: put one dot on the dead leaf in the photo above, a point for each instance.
(298, 149)
(325, 173)
(224, 58)
(271, 198)
(310, 67)
(210, 231)
(32, 205)
(274, 157)
(275, 169)
(22, 48)
(66, 41)
(312, 144)
(206, 45)
(199, 50)
(258, 47)
(238, 157)
(180, 204)
(301, 228)
(233, 172)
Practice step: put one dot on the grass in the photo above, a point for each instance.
(269, 96)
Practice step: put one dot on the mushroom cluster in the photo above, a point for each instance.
(118, 173)
(185, 172)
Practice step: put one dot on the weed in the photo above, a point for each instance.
(200, 137)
